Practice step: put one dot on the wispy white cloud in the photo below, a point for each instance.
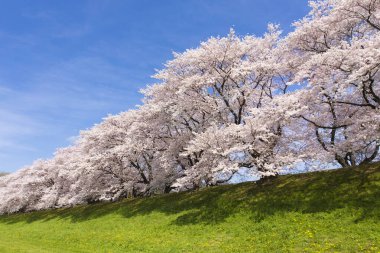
(40, 14)
(4, 90)
(49, 110)
(15, 128)
(16, 124)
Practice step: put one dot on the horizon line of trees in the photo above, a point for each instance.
(262, 103)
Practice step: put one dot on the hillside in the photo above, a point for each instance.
(330, 211)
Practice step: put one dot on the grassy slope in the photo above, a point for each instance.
(331, 211)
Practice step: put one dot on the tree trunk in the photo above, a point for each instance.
(267, 179)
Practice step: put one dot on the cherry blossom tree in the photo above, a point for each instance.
(26, 189)
(215, 87)
(336, 52)
(260, 103)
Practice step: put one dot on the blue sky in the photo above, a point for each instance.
(64, 65)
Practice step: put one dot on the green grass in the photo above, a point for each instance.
(331, 211)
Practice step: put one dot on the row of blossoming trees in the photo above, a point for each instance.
(262, 103)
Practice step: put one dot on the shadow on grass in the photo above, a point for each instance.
(354, 188)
